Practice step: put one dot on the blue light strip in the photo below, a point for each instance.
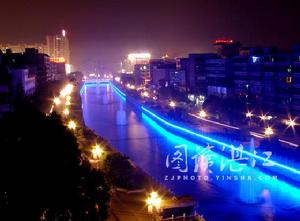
(212, 140)
(282, 185)
(118, 91)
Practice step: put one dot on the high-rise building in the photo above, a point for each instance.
(58, 47)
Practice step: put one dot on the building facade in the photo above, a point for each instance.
(58, 47)
(160, 70)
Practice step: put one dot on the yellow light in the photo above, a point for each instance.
(97, 151)
(249, 114)
(290, 122)
(66, 111)
(68, 103)
(67, 90)
(172, 104)
(57, 59)
(145, 94)
(202, 114)
(269, 131)
(72, 125)
(68, 98)
(153, 195)
(56, 101)
(153, 201)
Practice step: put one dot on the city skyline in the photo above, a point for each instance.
(150, 110)
(108, 30)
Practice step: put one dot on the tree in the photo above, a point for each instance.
(40, 163)
(121, 173)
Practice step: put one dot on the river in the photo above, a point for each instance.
(218, 187)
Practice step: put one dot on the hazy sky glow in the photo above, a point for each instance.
(104, 31)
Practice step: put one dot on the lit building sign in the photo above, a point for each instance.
(58, 59)
(133, 57)
(223, 41)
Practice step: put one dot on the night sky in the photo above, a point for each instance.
(104, 31)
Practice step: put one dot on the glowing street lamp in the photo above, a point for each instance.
(56, 101)
(249, 114)
(66, 111)
(154, 201)
(202, 114)
(269, 131)
(97, 151)
(290, 122)
(172, 104)
(117, 79)
(72, 125)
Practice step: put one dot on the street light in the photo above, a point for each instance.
(249, 114)
(72, 125)
(269, 131)
(172, 104)
(97, 151)
(290, 122)
(67, 90)
(153, 201)
(66, 111)
(56, 101)
(202, 114)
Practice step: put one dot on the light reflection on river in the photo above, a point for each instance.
(148, 146)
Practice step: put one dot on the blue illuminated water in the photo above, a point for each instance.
(148, 145)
